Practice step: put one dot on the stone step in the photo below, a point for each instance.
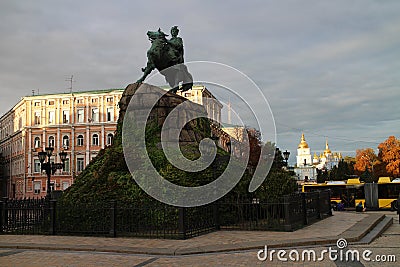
(376, 231)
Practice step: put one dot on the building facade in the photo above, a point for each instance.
(79, 123)
(199, 94)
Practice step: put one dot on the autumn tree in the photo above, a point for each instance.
(389, 153)
(254, 139)
(366, 159)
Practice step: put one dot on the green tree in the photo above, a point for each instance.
(276, 185)
(279, 181)
(333, 174)
(322, 176)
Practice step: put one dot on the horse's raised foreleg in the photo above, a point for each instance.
(146, 71)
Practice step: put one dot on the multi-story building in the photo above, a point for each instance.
(79, 123)
(199, 94)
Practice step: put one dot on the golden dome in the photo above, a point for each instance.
(315, 155)
(303, 143)
(327, 150)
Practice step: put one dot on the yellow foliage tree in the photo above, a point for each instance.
(389, 152)
(366, 159)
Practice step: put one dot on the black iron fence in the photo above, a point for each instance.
(158, 220)
(24, 216)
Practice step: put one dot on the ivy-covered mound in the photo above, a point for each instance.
(107, 176)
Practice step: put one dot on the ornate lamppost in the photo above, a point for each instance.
(286, 155)
(50, 167)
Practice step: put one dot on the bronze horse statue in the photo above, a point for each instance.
(168, 60)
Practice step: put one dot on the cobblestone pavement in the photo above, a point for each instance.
(387, 244)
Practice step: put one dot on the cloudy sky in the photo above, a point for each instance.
(330, 69)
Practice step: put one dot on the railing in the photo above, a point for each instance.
(158, 220)
(24, 216)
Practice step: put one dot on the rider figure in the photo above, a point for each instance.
(177, 45)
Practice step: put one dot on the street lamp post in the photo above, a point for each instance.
(286, 155)
(50, 167)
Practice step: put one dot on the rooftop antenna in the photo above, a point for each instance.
(33, 92)
(71, 80)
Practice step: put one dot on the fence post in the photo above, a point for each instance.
(52, 229)
(2, 208)
(182, 222)
(319, 205)
(216, 215)
(113, 214)
(286, 206)
(4, 214)
(304, 204)
(329, 203)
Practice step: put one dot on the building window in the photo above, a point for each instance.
(110, 99)
(110, 138)
(65, 185)
(37, 118)
(51, 103)
(95, 114)
(20, 123)
(94, 100)
(51, 117)
(80, 140)
(36, 166)
(65, 116)
(66, 167)
(37, 104)
(110, 114)
(79, 101)
(51, 141)
(81, 115)
(65, 102)
(36, 187)
(95, 140)
(79, 164)
(66, 142)
(37, 142)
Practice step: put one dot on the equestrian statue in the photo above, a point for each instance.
(167, 57)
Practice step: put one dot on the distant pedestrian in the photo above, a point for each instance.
(340, 206)
(359, 207)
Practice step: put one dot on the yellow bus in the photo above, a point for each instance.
(388, 193)
(381, 195)
(344, 192)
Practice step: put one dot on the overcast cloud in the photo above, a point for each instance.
(328, 68)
